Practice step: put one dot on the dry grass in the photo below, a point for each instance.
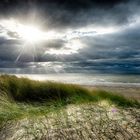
(88, 122)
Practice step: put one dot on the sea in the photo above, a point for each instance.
(87, 79)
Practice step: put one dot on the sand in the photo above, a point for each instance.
(129, 91)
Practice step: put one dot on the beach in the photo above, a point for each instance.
(128, 91)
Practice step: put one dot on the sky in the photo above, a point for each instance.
(71, 36)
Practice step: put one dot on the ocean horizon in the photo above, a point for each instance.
(86, 79)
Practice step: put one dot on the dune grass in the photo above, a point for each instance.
(25, 90)
(21, 97)
(115, 99)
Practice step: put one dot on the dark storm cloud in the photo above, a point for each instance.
(53, 43)
(107, 66)
(97, 13)
(123, 44)
(117, 52)
(73, 14)
(13, 34)
(113, 53)
(4, 41)
(69, 5)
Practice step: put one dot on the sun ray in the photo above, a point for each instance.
(20, 54)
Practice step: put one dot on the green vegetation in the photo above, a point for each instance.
(115, 99)
(25, 90)
(21, 97)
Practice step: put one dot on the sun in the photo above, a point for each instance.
(30, 33)
(26, 32)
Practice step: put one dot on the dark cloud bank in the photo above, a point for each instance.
(116, 52)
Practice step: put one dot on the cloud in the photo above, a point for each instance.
(89, 36)
(62, 14)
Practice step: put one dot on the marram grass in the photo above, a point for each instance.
(21, 97)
